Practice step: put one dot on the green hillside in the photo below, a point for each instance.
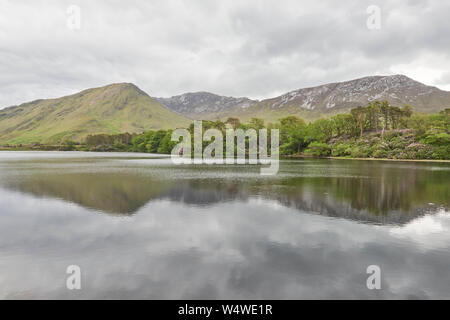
(115, 108)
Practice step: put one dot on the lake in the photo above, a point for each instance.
(139, 226)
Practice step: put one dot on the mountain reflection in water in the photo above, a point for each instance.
(140, 227)
(380, 192)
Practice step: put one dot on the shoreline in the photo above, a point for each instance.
(370, 159)
(281, 157)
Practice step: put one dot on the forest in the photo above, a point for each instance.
(377, 130)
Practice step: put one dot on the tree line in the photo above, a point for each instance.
(377, 130)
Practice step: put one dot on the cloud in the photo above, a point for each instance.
(238, 250)
(256, 49)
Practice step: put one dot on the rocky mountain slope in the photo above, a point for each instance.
(397, 89)
(196, 105)
(328, 99)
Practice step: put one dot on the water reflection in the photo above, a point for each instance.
(360, 190)
(222, 232)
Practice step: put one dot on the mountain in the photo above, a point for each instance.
(123, 107)
(325, 100)
(197, 105)
(111, 109)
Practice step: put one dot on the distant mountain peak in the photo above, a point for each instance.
(198, 104)
(399, 89)
(314, 102)
(122, 86)
(111, 109)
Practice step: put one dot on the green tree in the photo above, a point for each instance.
(320, 130)
(256, 124)
(344, 124)
(373, 114)
(233, 122)
(359, 113)
(292, 134)
(166, 145)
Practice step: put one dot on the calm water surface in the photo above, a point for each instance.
(141, 227)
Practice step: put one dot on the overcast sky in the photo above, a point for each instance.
(238, 48)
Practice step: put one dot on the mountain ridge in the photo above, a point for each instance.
(195, 104)
(114, 108)
(331, 98)
(124, 107)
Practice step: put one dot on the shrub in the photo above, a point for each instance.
(441, 152)
(381, 153)
(436, 138)
(356, 152)
(341, 150)
(318, 149)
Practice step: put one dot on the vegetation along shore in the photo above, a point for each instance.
(376, 131)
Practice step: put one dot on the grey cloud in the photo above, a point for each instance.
(256, 49)
(445, 78)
